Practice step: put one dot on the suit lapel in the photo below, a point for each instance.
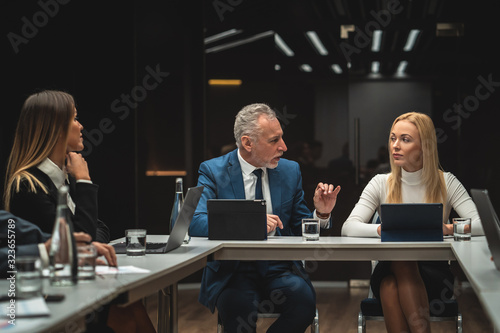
(234, 170)
(275, 188)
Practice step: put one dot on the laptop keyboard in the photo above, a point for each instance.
(154, 246)
(151, 247)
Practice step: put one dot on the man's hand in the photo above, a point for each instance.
(325, 197)
(273, 221)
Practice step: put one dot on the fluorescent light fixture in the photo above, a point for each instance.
(222, 35)
(316, 42)
(375, 67)
(336, 69)
(218, 82)
(376, 40)
(277, 67)
(239, 42)
(305, 68)
(402, 67)
(412, 38)
(282, 46)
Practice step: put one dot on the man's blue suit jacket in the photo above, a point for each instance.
(26, 237)
(222, 179)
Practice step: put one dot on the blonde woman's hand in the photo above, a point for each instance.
(447, 229)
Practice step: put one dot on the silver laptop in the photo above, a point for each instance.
(490, 222)
(180, 229)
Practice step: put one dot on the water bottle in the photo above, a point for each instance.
(63, 258)
(178, 202)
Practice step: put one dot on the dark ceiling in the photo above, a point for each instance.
(465, 47)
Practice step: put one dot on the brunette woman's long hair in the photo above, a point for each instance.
(45, 117)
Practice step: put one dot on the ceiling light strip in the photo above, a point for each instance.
(282, 46)
(239, 42)
(376, 40)
(316, 42)
(336, 69)
(306, 68)
(402, 67)
(222, 35)
(412, 38)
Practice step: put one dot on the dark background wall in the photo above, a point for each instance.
(88, 51)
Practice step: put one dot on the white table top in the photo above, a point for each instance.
(475, 259)
(332, 249)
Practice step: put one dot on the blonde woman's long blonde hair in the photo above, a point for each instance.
(432, 173)
(45, 117)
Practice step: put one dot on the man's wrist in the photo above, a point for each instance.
(323, 216)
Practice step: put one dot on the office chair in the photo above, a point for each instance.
(314, 324)
(371, 308)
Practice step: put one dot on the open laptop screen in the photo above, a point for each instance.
(489, 220)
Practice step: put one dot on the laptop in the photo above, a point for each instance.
(490, 222)
(180, 229)
(411, 222)
(237, 219)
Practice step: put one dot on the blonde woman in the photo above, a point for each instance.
(43, 159)
(406, 288)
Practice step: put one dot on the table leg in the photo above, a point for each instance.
(167, 309)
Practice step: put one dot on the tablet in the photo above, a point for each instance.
(411, 222)
(236, 219)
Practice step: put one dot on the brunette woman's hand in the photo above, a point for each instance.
(77, 166)
(108, 251)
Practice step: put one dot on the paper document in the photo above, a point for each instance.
(103, 270)
(33, 307)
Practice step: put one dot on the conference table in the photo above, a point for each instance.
(165, 270)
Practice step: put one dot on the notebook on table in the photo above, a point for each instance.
(180, 229)
(236, 219)
(411, 222)
(490, 222)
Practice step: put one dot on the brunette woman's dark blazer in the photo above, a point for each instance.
(40, 208)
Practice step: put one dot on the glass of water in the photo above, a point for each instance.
(135, 242)
(461, 229)
(310, 229)
(29, 277)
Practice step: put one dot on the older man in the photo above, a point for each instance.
(240, 288)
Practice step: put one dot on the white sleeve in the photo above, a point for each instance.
(324, 223)
(44, 256)
(358, 224)
(462, 203)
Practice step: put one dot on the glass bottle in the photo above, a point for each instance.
(178, 202)
(63, 255)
